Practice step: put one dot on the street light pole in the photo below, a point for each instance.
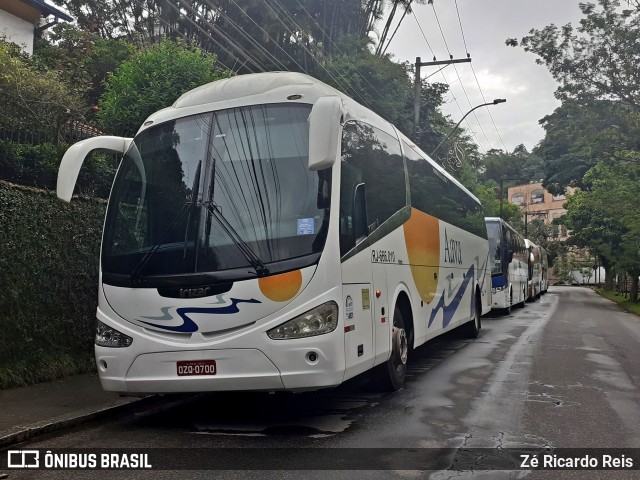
(495, 102)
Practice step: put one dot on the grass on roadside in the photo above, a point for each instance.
(628, 305)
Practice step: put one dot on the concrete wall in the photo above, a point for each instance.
(16, 30)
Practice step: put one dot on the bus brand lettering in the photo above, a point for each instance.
(194, 292)
(383, 256)
(452, 250)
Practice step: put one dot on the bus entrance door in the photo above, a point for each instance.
(358, 334)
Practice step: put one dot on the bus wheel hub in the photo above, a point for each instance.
(399, 346)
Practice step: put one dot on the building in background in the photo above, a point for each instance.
(22, 20)
(537, 203)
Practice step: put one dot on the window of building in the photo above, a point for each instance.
(517, 199)
(537, 196)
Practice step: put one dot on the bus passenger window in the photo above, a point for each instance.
(372, 157)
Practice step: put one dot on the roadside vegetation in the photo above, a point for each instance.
(120, 62)
(620, 299)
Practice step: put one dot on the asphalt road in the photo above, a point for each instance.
(563, 373)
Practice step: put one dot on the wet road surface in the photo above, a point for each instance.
(562, 372)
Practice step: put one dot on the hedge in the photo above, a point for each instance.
(49, 253)
(37, 166)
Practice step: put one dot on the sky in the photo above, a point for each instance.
(501, 71)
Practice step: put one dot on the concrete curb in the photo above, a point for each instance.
(152, 404)
(23, 433)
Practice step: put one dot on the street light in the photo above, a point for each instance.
(495, 102)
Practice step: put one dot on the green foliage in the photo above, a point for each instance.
(606, 218)
(153, 79)
(37, 166)
(581, 134)
(32, 100)
(628, 305)
(513, 168)
(82, 58)
(597, 59)
(41, 367)
(249, 36)
(48, 278)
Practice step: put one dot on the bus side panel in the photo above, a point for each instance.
(357, 308)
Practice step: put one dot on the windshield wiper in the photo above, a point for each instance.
(260, 268)
(135, 273)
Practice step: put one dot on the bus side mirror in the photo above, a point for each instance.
(74, 158)
(509, 256)
(324, 132)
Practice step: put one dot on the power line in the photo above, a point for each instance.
(176, 30)
(207, 34)
(338, 48)
(247, 37)
(415, 17)
(458, 75)
(464, 41)
(286, 14)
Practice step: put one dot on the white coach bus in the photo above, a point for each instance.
(508, 259)
(535, 270)
(267, 232)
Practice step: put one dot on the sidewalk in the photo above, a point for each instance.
(36, 409)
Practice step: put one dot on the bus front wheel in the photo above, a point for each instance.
(393, 371)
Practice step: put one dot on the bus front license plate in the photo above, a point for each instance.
(196, 367)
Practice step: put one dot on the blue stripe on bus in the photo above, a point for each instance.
(497, 282)
(189, 326)
(448, 311)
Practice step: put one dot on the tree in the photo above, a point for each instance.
(606, 218)
(513, 168)
(596, 68)
(596, 60)
(580, 134)
(151, 80)
(33, 101)
(83, 59)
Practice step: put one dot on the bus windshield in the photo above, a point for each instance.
(227, 193)
(495, 247)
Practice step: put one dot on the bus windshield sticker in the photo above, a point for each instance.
(306, 226)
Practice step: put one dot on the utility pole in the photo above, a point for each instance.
(417, 83)
(501, 193)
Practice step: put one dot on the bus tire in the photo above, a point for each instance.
(524, 300)
(471, 329)
(507, 309)
(393, 371)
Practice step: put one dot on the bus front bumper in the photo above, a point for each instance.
(235, 369)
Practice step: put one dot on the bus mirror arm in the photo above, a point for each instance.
(360, 223)
(74, 158)
(324, 132)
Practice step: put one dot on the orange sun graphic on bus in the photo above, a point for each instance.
(422, 238)
(281, 288)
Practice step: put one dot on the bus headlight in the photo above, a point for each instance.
(110, 337)
(320, 320)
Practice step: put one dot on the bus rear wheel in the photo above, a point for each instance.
(471, 329)
(392, 372)
(507, 309)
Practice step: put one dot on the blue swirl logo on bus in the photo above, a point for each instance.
(188, 325)
(448, 311)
